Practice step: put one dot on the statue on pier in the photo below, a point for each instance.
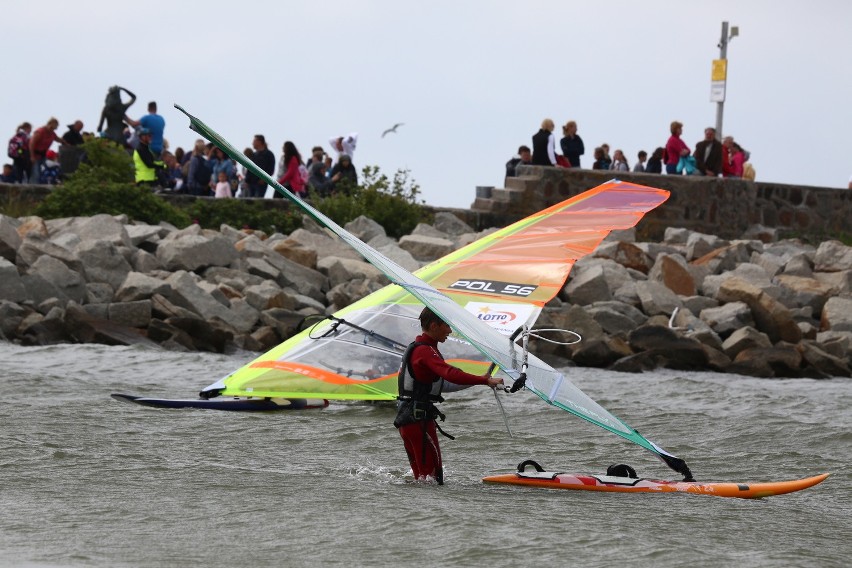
(114, 113)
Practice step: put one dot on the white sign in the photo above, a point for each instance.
(505, 318)
(717, 91)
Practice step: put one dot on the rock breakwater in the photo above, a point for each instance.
(756, 306)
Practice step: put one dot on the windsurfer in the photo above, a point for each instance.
(421, 378)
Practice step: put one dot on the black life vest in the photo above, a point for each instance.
(411, 389)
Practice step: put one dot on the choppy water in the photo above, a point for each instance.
(88, 481)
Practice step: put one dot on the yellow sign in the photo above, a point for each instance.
(720, 70)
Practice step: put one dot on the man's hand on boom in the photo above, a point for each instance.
(493, 381)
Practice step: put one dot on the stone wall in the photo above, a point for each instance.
(723, 207)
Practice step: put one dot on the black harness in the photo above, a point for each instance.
(417, 399)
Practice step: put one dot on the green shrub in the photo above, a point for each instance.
(240, 213)
(391, 203)
(104, 184)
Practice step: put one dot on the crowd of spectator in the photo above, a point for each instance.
(710, 157)
(204, 171)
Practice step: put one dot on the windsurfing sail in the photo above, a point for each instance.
(512, 263)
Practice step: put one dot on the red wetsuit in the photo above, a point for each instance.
(424, 452)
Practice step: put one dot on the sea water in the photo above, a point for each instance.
(89, 481)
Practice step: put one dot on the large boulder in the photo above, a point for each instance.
(616, 318)
(32, 227)
(402, 257)
(163, 309)
(806, 291)
(285, 322)
(668, 348)
(131, 314)
(68, 282)
(96, 228)
(251, 245)
(205, 335)
(799, 265)
(745, 338)
(236, 279)
(99, 293)
(427, 230)
(322, 243)
(783, 360)
(574, 318)
(340, 270)
(103, 262)
(828, 365)
(140, 233)
(268, 295)
(349, 292)
(33, 247)
(195, 252)
(188, 294)
(769, 315)
(699, 244)
(86, 328)
(300, 278)
(727, 318)
(364, 228)
(840, 282)
(40, 290)
(11, 316)
(594, 280)
(837, 314)
(833, 256)
(656, 299)
(11, 285)
(628, 255)
(449, 224)
(587, 286)
(259, 267)
(296, 251)
(10, 240)
(143, 261)
(138, 286)
(426, 248)
(672, 271)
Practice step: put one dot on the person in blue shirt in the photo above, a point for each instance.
(155, 124)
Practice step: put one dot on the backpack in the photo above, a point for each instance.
(201, 174)
(17, 145)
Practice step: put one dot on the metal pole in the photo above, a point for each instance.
(723, 54)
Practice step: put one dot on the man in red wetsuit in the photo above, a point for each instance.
(421, 378)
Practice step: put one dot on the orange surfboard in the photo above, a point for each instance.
(581, 482)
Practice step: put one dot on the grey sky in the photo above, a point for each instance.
(470, 80)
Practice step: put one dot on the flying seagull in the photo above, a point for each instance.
(392, 128)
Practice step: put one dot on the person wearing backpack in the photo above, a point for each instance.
(19, 151)
(40, 143)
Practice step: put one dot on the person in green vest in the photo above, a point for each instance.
(148, 169)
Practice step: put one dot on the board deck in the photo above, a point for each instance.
(582, 482)
(235, 404)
